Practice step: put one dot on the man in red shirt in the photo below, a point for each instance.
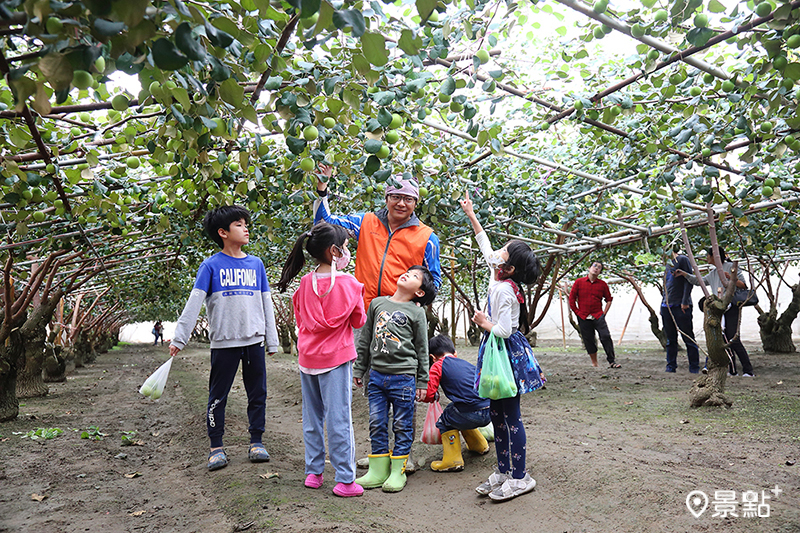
(586, 300)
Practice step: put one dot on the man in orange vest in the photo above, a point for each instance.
(390, 240)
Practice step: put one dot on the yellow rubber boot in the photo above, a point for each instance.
(378, 472)
(451, 459)
(397, 479)
(475, 441)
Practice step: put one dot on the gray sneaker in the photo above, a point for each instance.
(512, 488)
(495, 481)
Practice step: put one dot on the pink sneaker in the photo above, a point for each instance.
(347, 490)
(313, 481)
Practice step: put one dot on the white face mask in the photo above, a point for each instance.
(338, 263)
(343, 260)
(495, 259)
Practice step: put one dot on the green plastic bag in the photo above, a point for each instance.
(497, 378)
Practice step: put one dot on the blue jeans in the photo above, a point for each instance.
(397, 391)
(682, 323)
(327, 400)
(451, 418)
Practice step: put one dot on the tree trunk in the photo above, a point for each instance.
(776, 333)
(32, 336)
(9, 405)
(55, 365)
(709, 390)
(29, 376)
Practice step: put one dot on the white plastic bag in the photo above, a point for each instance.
(153, 386)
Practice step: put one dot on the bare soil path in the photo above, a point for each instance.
(611, 450)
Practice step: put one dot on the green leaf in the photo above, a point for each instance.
(374, 47)
(217, 37)
(372, 146)
(187, 44)
(273, 83)
(131, 12)
(250, 114)
(425, 7)
(409, 42)
(57, 69)
(106, 28)
(231, 92)
(227, 26)
(383, 97)
(325, 18)
(448, 86)
(716, 7)
(350, 18)
(296, 146)
(309, 7)
(792, 71)
(384, 117)
(182, 95)
(561, 30)
(167, 56)
(372, 165)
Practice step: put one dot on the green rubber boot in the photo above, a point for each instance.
(397, 479)
(378, 472)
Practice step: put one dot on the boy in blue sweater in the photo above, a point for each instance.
(466, 411)
(233, 285)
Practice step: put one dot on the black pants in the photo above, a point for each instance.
(224, 364)
(588, 327)
(736, 347)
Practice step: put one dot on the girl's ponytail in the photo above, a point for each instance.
(294, 263)
(316, 242)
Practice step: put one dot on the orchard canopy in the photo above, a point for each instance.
(582, 128)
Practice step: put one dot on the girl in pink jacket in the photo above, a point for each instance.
(327, 306)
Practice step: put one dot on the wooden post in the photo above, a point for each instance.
(563, 330)
(635, 299)
(453, 302)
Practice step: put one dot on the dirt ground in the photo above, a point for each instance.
(611, 450)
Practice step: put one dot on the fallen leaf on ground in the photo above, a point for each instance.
(628, 403)
(137, 513)
(38, 497)
(133, 475)
(269, 475)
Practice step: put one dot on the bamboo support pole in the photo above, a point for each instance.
(635, 298)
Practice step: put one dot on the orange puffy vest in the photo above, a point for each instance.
(381, 258)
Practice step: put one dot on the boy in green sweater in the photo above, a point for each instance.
(394, 347)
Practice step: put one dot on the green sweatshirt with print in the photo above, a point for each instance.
(394, 340)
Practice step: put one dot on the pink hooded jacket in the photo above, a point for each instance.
(325, 324)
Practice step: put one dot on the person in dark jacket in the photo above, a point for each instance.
(676, 313)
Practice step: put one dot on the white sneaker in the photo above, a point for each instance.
(512, 488)
(495, 481)
(746, 375)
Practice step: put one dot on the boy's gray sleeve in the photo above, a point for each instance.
(271, 331)
(421, 347)
(188, 318)
(362, 349)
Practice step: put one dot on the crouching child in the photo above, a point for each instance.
(466, 412)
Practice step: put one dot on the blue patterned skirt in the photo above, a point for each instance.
(527, 372)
